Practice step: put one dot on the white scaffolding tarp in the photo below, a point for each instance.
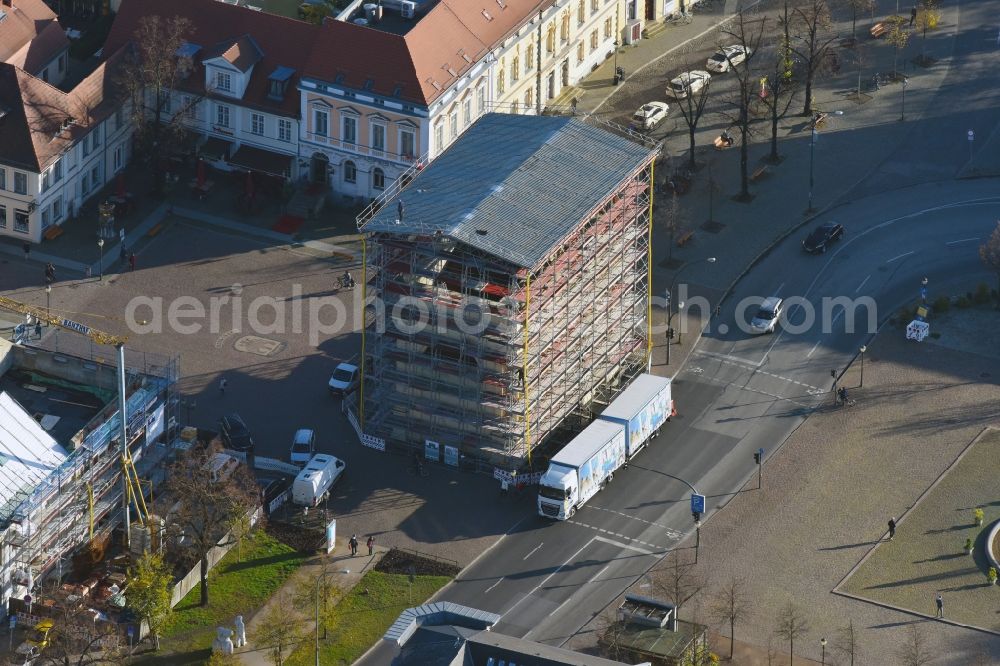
(28, 454)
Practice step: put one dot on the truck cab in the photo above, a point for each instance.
(557, 493)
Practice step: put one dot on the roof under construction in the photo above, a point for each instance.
(513, 186)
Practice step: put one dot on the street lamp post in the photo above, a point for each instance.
(670, 301)
(100, 244)
(822, 643)
(322, 576)
(812, 154)
(615, 44)
(863, 349)
(902, 110)
(48, 302)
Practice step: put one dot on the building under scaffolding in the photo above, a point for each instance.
(507, 288)
(60, 459)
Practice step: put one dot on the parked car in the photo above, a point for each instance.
(271, 487)
(649, 115)
(235, 433)
(766, 319)
(303, 447)
(727, 57)
(822, 236)
(345, 377)
(688, 83)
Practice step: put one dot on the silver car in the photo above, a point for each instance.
(766, 319)
(726, 58)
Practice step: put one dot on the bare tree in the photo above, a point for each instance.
(692, 107)
(609, 636)
(847, 642)
(813, 44)
(280, 628)
(989, 252)
(207, 507)
(780, 93)
(858, 7)
(78, 639)
(673, 223)
(748, 32)
(731, 604)
(899, 37)
(676, 580)
(791, 626)
(915, 652)
(152, 71)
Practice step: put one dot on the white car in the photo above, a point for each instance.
(303, 447)
(688, 83)
(649, 115)
(766, 319)
(727, 57)
(345, 377)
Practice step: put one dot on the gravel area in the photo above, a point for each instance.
(926, 557)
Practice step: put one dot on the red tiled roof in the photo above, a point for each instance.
(30, 36)
(241, 53)
(282, 42)
(42, 121)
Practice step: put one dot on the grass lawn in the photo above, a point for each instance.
(234, 588)
(360, 619)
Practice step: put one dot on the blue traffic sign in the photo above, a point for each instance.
(760, 451)
(697, 503)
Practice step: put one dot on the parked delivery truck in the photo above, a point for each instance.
(589, 461)
(313, 482)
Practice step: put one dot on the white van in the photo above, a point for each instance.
(316, 479)
(303, 447)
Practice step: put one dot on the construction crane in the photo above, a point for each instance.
(131, 486)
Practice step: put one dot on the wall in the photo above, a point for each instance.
(65, 367)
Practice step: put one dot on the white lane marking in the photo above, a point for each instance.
(572, 558)
(905, 254)
(540, 544)
(962, 240)
(726, 358)
(862, 283)
(778, 290)
(626, 545)
(756, 368)
(620, 536)
(669, 531)
(494, 584)
(559, 607)
(809, 355)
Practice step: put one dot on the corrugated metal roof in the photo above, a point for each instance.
(513, 186)
(438, 613)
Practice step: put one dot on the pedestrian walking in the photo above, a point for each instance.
(131, 262)
(940, 606)
(371, 544)
(222, 386)
(892, 527)
(353, 543)
(38, 330)
(913, 15)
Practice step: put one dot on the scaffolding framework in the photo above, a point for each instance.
(469, 350)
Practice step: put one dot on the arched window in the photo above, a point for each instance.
(378, 179)
(564, 28)
(501, 82)
(350, 172)
(581, 13)
(550, 39)
(515, 68)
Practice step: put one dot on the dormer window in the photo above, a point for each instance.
(185, 58)
(223, 81)
(277, 83)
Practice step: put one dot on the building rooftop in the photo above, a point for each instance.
(514, 186)
(30, 35)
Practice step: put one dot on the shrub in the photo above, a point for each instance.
(963, 302)
(978, 514)
(982, 295)
(968, 545)
(941, 304)
(992, 575)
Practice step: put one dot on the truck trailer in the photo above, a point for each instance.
(589, 461)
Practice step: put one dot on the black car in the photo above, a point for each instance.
(822, 236)
(235, 433)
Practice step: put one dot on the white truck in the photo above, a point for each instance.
(315, 481)
(589, 461)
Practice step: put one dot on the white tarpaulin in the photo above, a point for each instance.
(917, 330)
(29, 453)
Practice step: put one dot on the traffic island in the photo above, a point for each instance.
(929, 554)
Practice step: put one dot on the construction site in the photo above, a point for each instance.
(507, 289)
(65, 478)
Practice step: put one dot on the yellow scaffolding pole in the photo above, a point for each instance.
(524, 370)
(649, 270)
(364, 326)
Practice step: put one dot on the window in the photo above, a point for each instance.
(529, 58)
(594, 6)
(85, 184)
(514, 108)
(593, 41)
(581, 12)
(95, 175)
(481, 98)
(378, 137)
(501, 84)
(350, 172)
(607, 28)
(529, 99)
(21, 220)
(119, 115)
(515, 69)
(321, 121)
(45, 217)
(439, 137)
(3, 178)
(453, 123)
(190, 107)
(550, 39)
(85, 146)
(45, 180)
(57, 210)
(467, 111)
(407, 144)
(223, 81)
(579, 53)
(117, 160)
(20, 183)
(95, 137)
(257, 124)
(222, 115)
(350, 133)
(3, 216)
(378, 179)
(564, 28)
(57, 172)
(284, 129)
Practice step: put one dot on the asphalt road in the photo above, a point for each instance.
(737, 393)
